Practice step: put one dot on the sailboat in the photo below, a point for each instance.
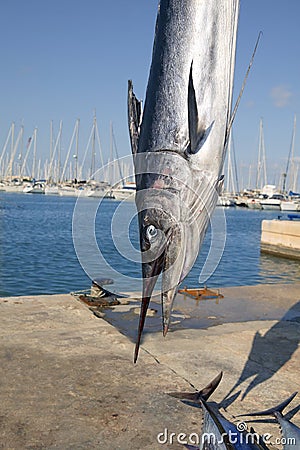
(123, 189)
(292, 202)
(89, 187)
(254, 202)
(98, 189)
(12, 181)
(71, 188)
(227, 198)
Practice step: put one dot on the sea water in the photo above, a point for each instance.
(52, 244)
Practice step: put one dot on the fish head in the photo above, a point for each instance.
(162, 243)
(170, 229)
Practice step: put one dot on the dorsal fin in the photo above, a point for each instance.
(134, 117)
(198, 133)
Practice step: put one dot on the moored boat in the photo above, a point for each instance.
(254, 203)
(124, 192)
(272, 202)
(98, 189)
(71, 191)
(13, 186)
(290, 205)
(51, 190)
(34, 188)
(223, 200)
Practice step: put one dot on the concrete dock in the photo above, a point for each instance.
(281, 237)
(67, 378)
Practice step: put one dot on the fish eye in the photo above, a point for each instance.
(151, 232)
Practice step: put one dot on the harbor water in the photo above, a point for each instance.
(52, 244)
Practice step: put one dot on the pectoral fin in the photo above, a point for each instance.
(198, 132)
(220, 184)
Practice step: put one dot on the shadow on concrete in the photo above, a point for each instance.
(270, 351)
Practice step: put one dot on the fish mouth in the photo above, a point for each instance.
(169, 263)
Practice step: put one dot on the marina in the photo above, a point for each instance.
(38, 256)
(84, 169)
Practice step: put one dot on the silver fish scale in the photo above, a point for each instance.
(189, 32)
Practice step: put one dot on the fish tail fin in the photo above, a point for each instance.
(211, 387)
(204, 394)
(272, 411)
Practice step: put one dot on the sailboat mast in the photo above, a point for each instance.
(249, 176)
(28, 147)
(76, 149)
(111, 157)
(294, 172)
(99, 146)
(9, 171)
(49, 171)
(39, 170)
(54, 152)
(51, 138)
(20, 155)
(114, 148)
(34, 153)
(59, 153)
(261, 174)
(4, 149)
(290, 157)
(12, 142)
(92, 170)
(69, 151)
(228, 163)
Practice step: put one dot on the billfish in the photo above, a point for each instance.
(179, 139)
(289, 431)
(217, 431)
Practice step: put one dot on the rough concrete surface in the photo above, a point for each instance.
(67, 378)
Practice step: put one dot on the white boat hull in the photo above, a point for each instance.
(290, 206)
(34, 189)
(95, 193)
(71, 192)
(51, 190)
(12, 188)
(125, 192)
(274, 205)
(121, 195)
(225, 201)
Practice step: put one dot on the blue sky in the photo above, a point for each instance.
(62, 59)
